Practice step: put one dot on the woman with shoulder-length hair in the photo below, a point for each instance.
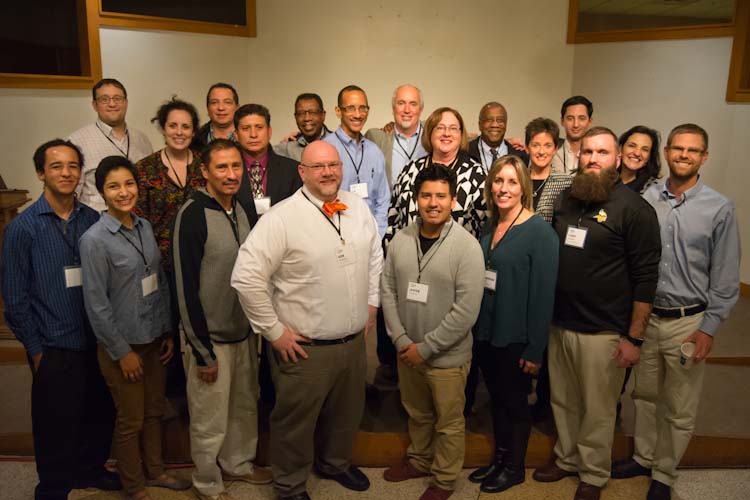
(521, 254)
(640, 166)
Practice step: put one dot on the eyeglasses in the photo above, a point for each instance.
(351, 109)
(453, 129)
(318, 167)
(311, 112)
(690, 151)
(498, 120)
(105, 99)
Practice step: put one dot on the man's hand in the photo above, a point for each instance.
(410, 355)
(703, 344)
(517, 144)
(291, 137)
(36, 359)
(626, 354)
(287, 346)
(209, 374)
(372, 314)
(167, 349)
(388, 128)
(529, 366)
(132, 367)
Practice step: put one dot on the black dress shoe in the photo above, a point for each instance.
(298, 496)
(659, 491)
(352, 478)
(625, 469)
(505, 479)
(103, 480)
(483, 473)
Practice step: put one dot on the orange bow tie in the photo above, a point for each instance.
(331, 208)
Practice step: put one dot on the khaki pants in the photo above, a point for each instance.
(585, 386)
(140, 407)
(319, 404)
(434, 399)
(223, 415)
(666, 396)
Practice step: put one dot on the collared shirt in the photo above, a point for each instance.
(293, 149)
(249, 161)
(364, 163)
(294, 271)
(565, 160)
(485, 153)
(39, 309)
(406, 150)
(97, 141)
(700, 256)
(211, 136)
(115, 260)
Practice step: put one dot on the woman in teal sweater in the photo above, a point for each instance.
(521, 254)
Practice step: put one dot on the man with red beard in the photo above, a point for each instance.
(609, 260)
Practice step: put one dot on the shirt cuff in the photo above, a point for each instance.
(401, 341)
(424, 350)
(274, 333)
(709, 325)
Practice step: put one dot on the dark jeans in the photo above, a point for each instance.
(72, 417)
(472, 380)
(542, 405)
(386, 350)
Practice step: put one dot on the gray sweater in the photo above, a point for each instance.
(453, 268)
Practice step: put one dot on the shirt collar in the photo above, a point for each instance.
(114, 225)
(344, 137)
(44, 207)
(315, 201)
(415, 135)
(263, 159)
(688, 194)
(106, 128)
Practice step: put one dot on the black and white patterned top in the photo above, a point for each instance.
(556, 183)
(470, 210)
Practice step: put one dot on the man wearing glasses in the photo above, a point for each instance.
(364, 165)
(491, 143)
(308, 279)
(310, 117)
(108, 136)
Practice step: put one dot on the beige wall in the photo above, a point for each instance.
(662, 84)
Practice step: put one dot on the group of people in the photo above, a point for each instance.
(567, 259)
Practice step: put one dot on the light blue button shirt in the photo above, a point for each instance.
(406, 150)
(485, 152)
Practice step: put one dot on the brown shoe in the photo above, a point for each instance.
(402, 472)
(551, 473)
(435, 493)
(587, 491)
(259, 475)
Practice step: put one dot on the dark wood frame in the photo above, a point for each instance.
(738, 86)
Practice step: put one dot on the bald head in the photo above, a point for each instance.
(320, 170)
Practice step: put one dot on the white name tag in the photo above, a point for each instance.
(575, 237)
(359, 189)
(345, 255)
(490, 279)
(72, 276)
(262, 205)
(149, 284)
(417, 292)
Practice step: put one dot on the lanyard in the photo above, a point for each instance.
(361, 158)
(139, 250)
(491, 249)
(416, 143)
(232, 218)
(484, 156)
(64, 231)
(430, 162)
(436, 246)
(127, 136)
(181, 185)
(337, 229)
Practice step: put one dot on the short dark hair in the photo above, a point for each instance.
(217, 145)
(541, 126)
(251, 109)
(593, 131)
(652, 167)
(109, 164)
(307, 96)
(348, 88)
(108, 81)
(689, 128)
(436, 172)
(222, 85)
(176, 104)
(40, 155)
(577, 99)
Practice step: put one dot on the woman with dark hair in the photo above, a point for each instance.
(127, 299)
(541, 142)
(641, 163)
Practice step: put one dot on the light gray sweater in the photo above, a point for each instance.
(453, 268)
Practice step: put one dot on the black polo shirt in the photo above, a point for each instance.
(618, 264)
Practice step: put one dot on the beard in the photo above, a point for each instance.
(590, 187)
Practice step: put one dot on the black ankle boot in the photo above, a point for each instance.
(494, 467)
(510, 475)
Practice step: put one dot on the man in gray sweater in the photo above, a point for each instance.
(432, 287)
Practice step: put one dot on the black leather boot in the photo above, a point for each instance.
(513, 471)
(511, 475)
(494, 467)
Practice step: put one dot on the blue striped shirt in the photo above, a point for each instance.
(39, 309)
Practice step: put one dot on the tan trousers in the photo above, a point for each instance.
(140, 407)
(319, 404)
(434, 399)
(585, 386)
(666, 396)
(223, 415)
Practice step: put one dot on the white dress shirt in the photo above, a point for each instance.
(289, 271)
(565, 161)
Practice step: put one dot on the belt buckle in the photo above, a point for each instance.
(682, 312)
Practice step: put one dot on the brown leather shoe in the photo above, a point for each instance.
(551, 473)
(402, 472)
(587, 491)
(435, 493)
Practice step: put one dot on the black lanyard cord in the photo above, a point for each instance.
(337, 229)
(361, 158)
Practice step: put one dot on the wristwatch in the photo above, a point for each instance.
(636, 342)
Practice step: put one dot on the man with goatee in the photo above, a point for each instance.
(609, 261)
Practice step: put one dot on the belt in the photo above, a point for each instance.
(678, 312)
(343, 340)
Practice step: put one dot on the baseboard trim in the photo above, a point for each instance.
(744, 289)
